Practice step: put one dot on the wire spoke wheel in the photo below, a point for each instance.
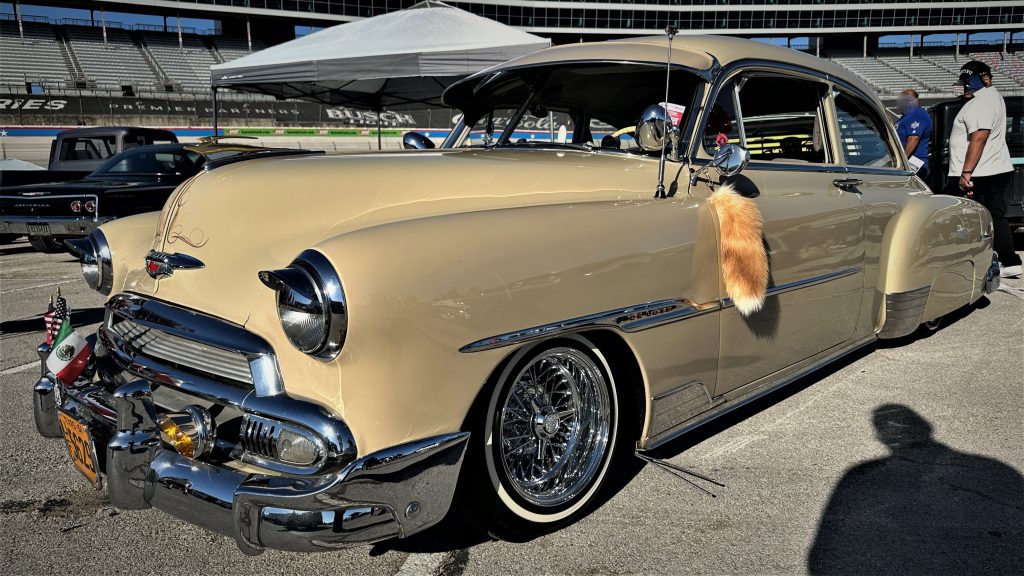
(553, 428)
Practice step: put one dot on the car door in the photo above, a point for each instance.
(813, 230)
(875, 171)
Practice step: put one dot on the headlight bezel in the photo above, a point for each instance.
(96, 261)
(325, 284)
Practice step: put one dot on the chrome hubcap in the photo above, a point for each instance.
(554, 427)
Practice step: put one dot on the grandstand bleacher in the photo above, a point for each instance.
(52, 57)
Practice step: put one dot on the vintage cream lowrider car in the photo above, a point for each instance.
(309, 352)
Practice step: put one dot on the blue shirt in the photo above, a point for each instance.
(918, 123)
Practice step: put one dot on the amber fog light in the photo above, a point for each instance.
(190, 432)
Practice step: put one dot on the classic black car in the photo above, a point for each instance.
(135, 181)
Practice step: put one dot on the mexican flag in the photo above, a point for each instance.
(70, 354)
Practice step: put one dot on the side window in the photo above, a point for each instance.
(723, 125)
(782, 118)
(862, 134)
(88, 148)
(478, 135)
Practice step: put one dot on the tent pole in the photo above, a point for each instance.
(214, 89)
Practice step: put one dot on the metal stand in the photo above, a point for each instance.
(214, 90)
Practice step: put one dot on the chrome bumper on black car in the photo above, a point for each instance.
(337, 501)
(50, 225)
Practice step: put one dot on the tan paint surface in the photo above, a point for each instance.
(437, 249)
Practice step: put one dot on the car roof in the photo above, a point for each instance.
(114, 130)
(704, 54)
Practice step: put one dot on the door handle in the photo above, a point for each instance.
(848, 184)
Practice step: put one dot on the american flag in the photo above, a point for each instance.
(56, 316)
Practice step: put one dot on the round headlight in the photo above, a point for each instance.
(310, 304)
(301, 308)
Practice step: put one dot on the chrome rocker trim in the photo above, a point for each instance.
(340, 501)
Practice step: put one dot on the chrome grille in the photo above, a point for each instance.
(184, 353)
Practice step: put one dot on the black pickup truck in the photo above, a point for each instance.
(76, 152)
(135, 181)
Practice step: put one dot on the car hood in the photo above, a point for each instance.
(251, 216)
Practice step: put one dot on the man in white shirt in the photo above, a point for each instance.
(979, 157)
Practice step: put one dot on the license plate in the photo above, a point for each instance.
(39, 229)
(80, 446)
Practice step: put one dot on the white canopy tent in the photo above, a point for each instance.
(403, 59)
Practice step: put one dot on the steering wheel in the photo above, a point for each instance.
(626, 130)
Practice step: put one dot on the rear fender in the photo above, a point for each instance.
(936, 253)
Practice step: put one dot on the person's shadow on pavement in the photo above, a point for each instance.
(924, 509)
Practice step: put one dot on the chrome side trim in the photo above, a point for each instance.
(629, 319)
(637, 317)
(723, 404)
(201, 328)
(904, 312)
(804, 283)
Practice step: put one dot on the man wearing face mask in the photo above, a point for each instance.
(915, 130)
(979, 160)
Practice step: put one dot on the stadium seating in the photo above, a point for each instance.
(113, 64)
(36, 58)
(187, 66)
(64, 56)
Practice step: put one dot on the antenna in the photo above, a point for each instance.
(670, 31)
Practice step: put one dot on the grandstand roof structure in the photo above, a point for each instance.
(634, 17)
(404, 58)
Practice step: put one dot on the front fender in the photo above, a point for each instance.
(420, 290)
(129, 239)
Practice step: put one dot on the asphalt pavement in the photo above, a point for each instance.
(906, 457)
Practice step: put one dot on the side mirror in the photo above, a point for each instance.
(416, 141)
(730, 159)
(652, 129)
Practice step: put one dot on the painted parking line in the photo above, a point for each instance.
(21, 368)
(22, 289)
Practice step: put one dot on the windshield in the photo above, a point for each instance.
(146, 160)
(592, 105)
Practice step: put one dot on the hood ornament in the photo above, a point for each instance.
(160, 264)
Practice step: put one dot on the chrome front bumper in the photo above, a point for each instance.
(394, 492)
